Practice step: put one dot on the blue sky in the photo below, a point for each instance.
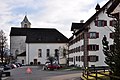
(57, 14)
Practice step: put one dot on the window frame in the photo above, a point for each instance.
(92, 47)
(47, 52)
(100, 23)
(39, 52)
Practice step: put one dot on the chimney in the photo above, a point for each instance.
(81, 21)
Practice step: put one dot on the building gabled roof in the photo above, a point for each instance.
(76, 26)
(44, 35)
(18, 31)
(90, 19)
(115, 3)
(40, 35)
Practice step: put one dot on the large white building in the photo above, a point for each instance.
(85, 46)
(35, 45)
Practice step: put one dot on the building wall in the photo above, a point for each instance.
(32, 51)
(74, 54)
(106, 30)
(20, 58)
(17, 43)
(63, 52)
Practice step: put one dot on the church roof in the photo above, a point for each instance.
(76, 26)
(39, 35)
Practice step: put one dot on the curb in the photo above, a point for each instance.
(5, 78)
(82, 78)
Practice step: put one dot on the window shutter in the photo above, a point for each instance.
(111, 23)
(97, 47)
(88, 35)
(97, 58)
(88, 47)
(96, 23)
(97, 35)
(105, 23)
(111, 35)
(82, 58)
(88, 58)
(82, 48)
(79, 58)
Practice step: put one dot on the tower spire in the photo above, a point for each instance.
(25, 23)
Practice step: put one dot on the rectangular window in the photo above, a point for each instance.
(48, 52)
(39, 52)
(112, 47)
(111, 35)
(100, 23)
(76, 58)
(93, 47)
(113, 22)
(93, 35)
(92, 58)
(71, 59)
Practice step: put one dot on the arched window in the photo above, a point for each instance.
(25, 25)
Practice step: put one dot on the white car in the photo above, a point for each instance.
(2, 68)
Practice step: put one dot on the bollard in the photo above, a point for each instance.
(96, 74)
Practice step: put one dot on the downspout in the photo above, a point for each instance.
(28, 53)
(85, 48)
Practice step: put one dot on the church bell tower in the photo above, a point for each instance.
(25, 23)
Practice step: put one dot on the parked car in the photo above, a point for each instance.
(17, 64)
(13, 66)
(7, 67)
(1, 68)
(53, 66)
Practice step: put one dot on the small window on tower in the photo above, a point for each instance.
(25, 26)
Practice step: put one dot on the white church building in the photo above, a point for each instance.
(34, 45)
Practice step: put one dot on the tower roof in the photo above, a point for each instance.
(25, 19)
(97, 7)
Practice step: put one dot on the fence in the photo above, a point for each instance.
(98, 70)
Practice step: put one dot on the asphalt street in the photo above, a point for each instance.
(39, 74)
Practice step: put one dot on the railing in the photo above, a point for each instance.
(98, 70)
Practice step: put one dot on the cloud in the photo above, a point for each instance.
(57, 14)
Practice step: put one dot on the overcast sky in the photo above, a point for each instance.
(57, 14)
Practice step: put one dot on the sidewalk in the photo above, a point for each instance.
(66, 77)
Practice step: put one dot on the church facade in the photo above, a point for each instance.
(34, 45)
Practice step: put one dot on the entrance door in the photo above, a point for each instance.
(35, 61)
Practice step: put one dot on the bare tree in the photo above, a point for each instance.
(3, 43)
